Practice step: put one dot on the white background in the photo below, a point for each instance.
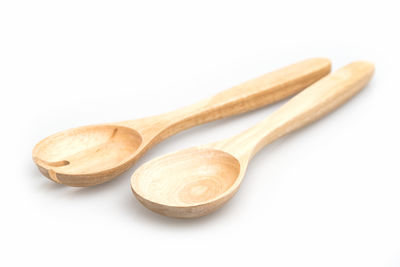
(327, 195)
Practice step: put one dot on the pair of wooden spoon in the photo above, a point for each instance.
(197, 181)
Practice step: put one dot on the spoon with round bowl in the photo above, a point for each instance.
(196, 181)
(95, 154)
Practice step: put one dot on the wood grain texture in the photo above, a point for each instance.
(196, 181)
(95, 154)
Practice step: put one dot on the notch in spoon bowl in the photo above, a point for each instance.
(95, 154)
(196, 181)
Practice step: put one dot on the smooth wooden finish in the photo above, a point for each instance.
(196, 181)
(92, 155)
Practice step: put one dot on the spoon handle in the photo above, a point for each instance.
(311, 104)
(247, 96)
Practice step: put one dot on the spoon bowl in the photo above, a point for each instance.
(91, 151)
(182, 184)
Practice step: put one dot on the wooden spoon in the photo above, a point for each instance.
(196, 181)
(92, 155)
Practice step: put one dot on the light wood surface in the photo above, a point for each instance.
(196, 181)
(95, 154)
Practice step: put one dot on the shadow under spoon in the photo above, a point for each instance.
(95, 154)
(196, 181)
